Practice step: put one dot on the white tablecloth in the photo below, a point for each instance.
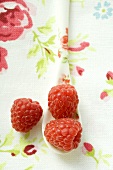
(28, 68)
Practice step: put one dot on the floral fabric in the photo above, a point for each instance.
(29, 66)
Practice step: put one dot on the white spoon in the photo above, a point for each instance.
(63, 68)
(48, 117)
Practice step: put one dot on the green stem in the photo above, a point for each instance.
(40, 44)
(3, 143)
(9, 151)
(97, 161)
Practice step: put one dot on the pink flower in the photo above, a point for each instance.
(109, 75)
(87, 147)
(12, 19)
(30, 150)
(81, 47)
(104, 96)
(3, 54)
(79, 70)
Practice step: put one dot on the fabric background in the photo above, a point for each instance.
(91, 66)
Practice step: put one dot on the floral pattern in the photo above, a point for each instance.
(79, 1)
(15, 20)
(12, 24)
(45, 47)
(104, 10)
(24, 147)
(3, 63)
(89, 151)
(75, 47)
(107, 93)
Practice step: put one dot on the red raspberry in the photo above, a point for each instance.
(63, 101)
(64, 134)
(25, 114)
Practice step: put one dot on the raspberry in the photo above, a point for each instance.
(63, 101)
(64, 133)
(25, 114)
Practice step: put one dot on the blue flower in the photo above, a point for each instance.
(103, 10)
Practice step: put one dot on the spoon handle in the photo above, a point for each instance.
(62, 14)
(62, 19)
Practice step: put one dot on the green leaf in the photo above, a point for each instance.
(35, 36)
(33, 51)
(8, 139)
(41, 140)
(43, 2)
(100, 153)
(106, 162)
(71, 67)
(65, 60)
(110, 82)
(41, 66)
(44, 151)
(30, 167)
(48, 27)
(44, 145)
(51, 21)
(107, 156)
(37, 158)
(49, 54)
(2, 165)
(45, 43)
(85, 37)
(91, 49)
(51, 40)
(45, 30)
